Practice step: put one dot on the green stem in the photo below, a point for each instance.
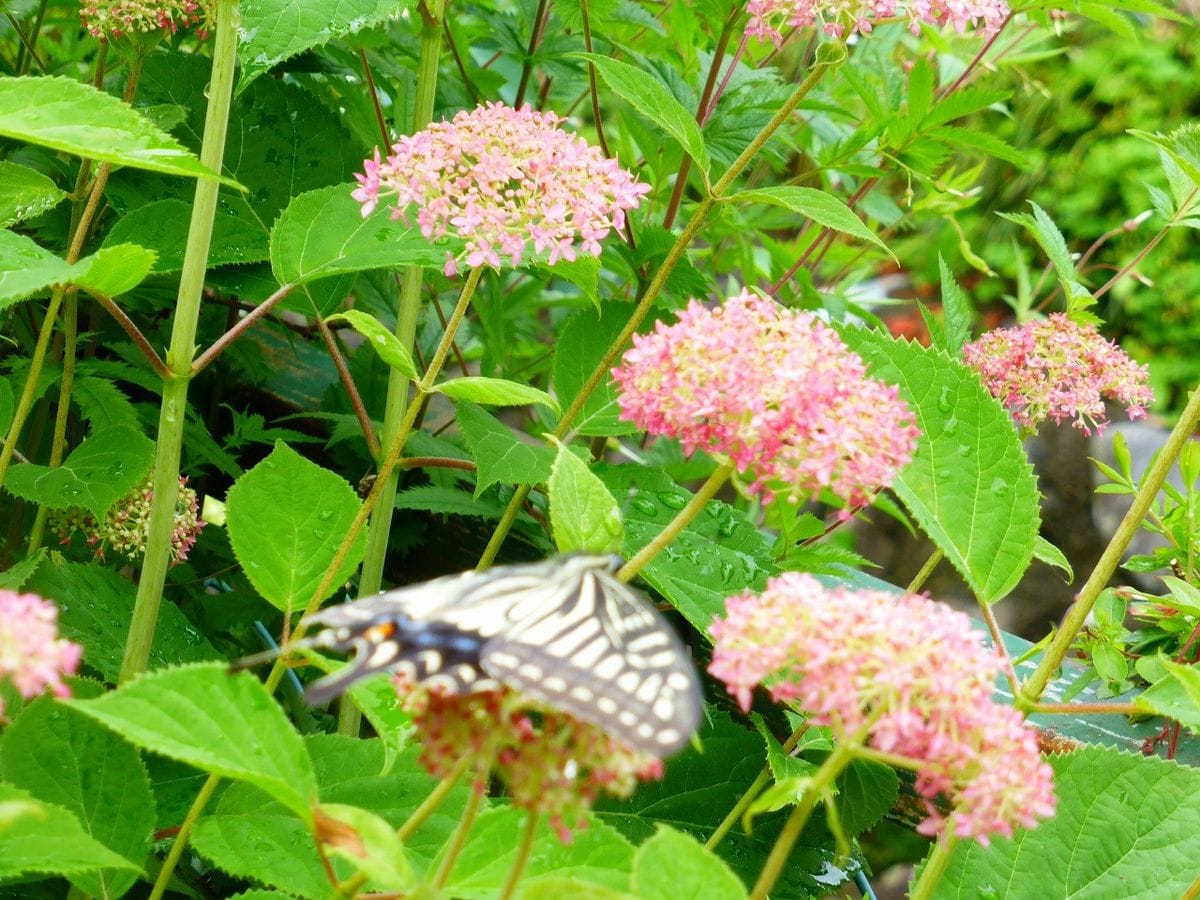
(1077, 615)
(814, 791)
(390, 461)
(460, 836)
(756, 786)
(59, 441)
(926, 570)
(181, 839)
(396, 403)
(674, 255)
(935, 866)
(25, 401)
(523, 852)
(173, 412)
(682, 518)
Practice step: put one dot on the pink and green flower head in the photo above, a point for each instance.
(1057, 369)
(32, 655)
(776, 392)
(125, 528)
(507, 181)
(108, 19)
(550, 762)
(769, 19)
(903, 675)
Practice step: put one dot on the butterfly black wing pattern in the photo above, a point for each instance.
(564, 631)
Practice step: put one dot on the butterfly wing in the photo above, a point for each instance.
(599, 650)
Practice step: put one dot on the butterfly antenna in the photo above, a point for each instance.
(273, 652)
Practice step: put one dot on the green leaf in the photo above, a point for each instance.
(579, 346)
(95, 608)
(973, 139)
(651, 98)
(1125, 827)
(672, 865)
(920, 92)
(822, 207)
(103, 404)
(1050, 239)
(26, 269)
(208, 717)
(1046, 552)
(6, 405)
(14, 578)
(40, 838)
(64, 758)
(969, 486)
(956, 311)
(382, 340)
(447, 501)
(1177, 696)
(494, 392)
(323, 233)
(583, 514)
(720, 553)
(866, 791)
(596, 855)
(72, 117)
(25, 193)
(500, 456)
(275, 30)
(286, 518)
(162, 227)
(94, 476)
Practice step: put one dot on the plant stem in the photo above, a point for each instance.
(523, 852)
(674, 255)
(460, 835)
(926, 570)
(814, 791)
(432, 802)
(396, 403)
(682, 518)
(58, 442)
(185, 830)
(243, 325)
(756, 786)
(935, 866)
(1117, 709)
(1111, 558)
(173, 412)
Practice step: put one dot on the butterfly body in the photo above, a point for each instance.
(565, 632)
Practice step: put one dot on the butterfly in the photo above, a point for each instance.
(564, 631)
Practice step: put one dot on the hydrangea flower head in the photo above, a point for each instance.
(504, 180)
(905, 675)
(774, 390)
(32, 655)
(551, 762)
(126, 527)
(1057, 369)
(108, 19)
(769, 18)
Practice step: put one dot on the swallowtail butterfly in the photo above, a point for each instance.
(564, 631)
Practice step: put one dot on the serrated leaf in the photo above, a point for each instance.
(1051, 240)
(275, 30)
(973, 139)
(969, 485)
(382, 340)
(40, 838)
(584, 517)
(14, 578)
(286, 518)
(866, 791)
(27, 269)
(494, 392)
(447, 501)
(580, 345)
(500, 456)
(1177, 696)
(216, 720)
(323, 233)
(25, 193)
(1046, 552)
(103, 404)
(94, 476)
(651, 98)
(956, 311)
(672, 865)
(1123, 828)
(72, 117)
(820, 206)
(64, 758)
(95, 607)
(163, 225)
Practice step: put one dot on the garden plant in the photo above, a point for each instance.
(597, 336)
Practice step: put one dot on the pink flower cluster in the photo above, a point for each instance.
(107, 19)
(31, 653)
(126, 526)
(774, 390)
(503, 179)
(1058, 369)
(769, 18)
(551, 762)
(904, 675)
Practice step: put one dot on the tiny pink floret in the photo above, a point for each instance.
(770, 19)
(503, 180)
(32, 655)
